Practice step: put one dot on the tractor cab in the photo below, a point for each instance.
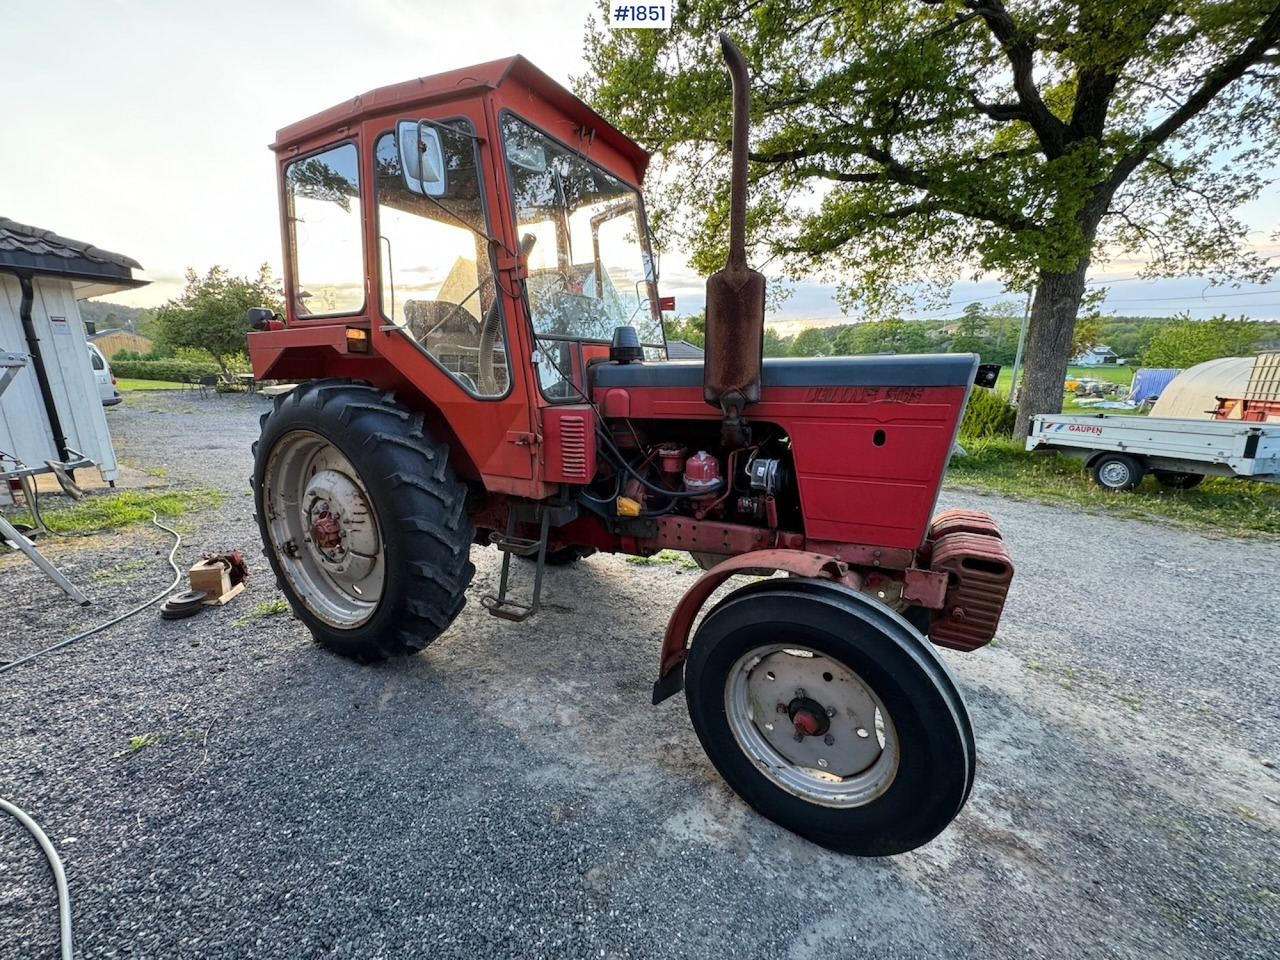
(485, 219)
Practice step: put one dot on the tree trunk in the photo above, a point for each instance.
(1048, 349)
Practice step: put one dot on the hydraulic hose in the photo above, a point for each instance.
(177, 576)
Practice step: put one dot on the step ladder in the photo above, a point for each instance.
(546, 514)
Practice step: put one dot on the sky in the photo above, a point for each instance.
(141, 126)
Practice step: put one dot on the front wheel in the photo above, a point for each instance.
(362, 519)
(830, 716)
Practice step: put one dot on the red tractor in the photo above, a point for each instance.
(473, 313)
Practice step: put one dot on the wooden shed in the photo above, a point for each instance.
(50, 409)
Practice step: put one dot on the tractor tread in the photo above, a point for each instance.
(417, 498)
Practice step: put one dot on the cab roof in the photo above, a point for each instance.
(463, 83)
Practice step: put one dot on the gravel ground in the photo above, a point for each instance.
(510, 792)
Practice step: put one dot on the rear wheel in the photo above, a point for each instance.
(1117, 472)
(362, 519)
(831, 716)
(1178, 481)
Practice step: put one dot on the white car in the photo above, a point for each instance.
(102, 373)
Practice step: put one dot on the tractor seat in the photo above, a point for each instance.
(909, 370)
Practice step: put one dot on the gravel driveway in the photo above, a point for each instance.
(510, 792)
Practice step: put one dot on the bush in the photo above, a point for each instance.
(988, 415)
(172, 370)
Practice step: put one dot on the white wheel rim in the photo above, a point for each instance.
(306, 482)
(849, 763)
(1114, 473)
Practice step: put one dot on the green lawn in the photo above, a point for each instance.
(1115, 374)
(1230, 507)
(123, 384)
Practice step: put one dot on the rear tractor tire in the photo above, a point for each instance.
(362, 519)
(831, 716)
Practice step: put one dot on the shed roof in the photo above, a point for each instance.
(38, 251)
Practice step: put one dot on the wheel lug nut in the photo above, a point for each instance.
(831, 711)
(782, 708)
(798, 737)
(829, 740)
(799, 691)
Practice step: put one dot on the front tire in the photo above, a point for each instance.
(362, 519)
(885, 761)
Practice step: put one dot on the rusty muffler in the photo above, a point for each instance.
(735, 295)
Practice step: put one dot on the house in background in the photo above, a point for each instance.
(50, 411)
(683, 350)
(1095, 357)
(112, 341)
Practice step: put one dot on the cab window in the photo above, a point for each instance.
(589, 264)
(322, 198)
(436, 266)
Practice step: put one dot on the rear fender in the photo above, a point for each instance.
(675, 642)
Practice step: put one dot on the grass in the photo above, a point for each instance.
(1230, 507)
(123, 383)
(112, 509)
(271, 608)
(1111, 372)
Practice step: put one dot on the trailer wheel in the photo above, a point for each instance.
(1117, 472)
(1177, 481)
(829, 715)
(362, 519)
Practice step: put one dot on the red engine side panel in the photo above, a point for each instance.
(868, 460)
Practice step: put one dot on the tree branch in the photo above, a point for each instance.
(1019, 48)
(1217, 80)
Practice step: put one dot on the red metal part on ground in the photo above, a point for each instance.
(675, 641)
(980, 569)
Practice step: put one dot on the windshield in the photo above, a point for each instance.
(589, 269)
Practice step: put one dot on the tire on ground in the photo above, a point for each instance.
(1118, 472)
(417, 501)
(911, 803)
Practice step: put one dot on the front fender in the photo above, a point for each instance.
(675, 642)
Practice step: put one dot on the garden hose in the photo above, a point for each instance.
(59, 875)
(177, 576)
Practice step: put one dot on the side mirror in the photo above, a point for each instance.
(259, 317)
(421, 158)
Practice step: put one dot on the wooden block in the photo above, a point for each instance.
(220, 600)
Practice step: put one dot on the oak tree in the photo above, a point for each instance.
(902, 145)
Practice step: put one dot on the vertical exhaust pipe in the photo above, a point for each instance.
(735, 295)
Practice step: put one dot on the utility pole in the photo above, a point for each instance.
(1022, 339)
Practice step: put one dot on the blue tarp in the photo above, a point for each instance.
(1149, 383)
